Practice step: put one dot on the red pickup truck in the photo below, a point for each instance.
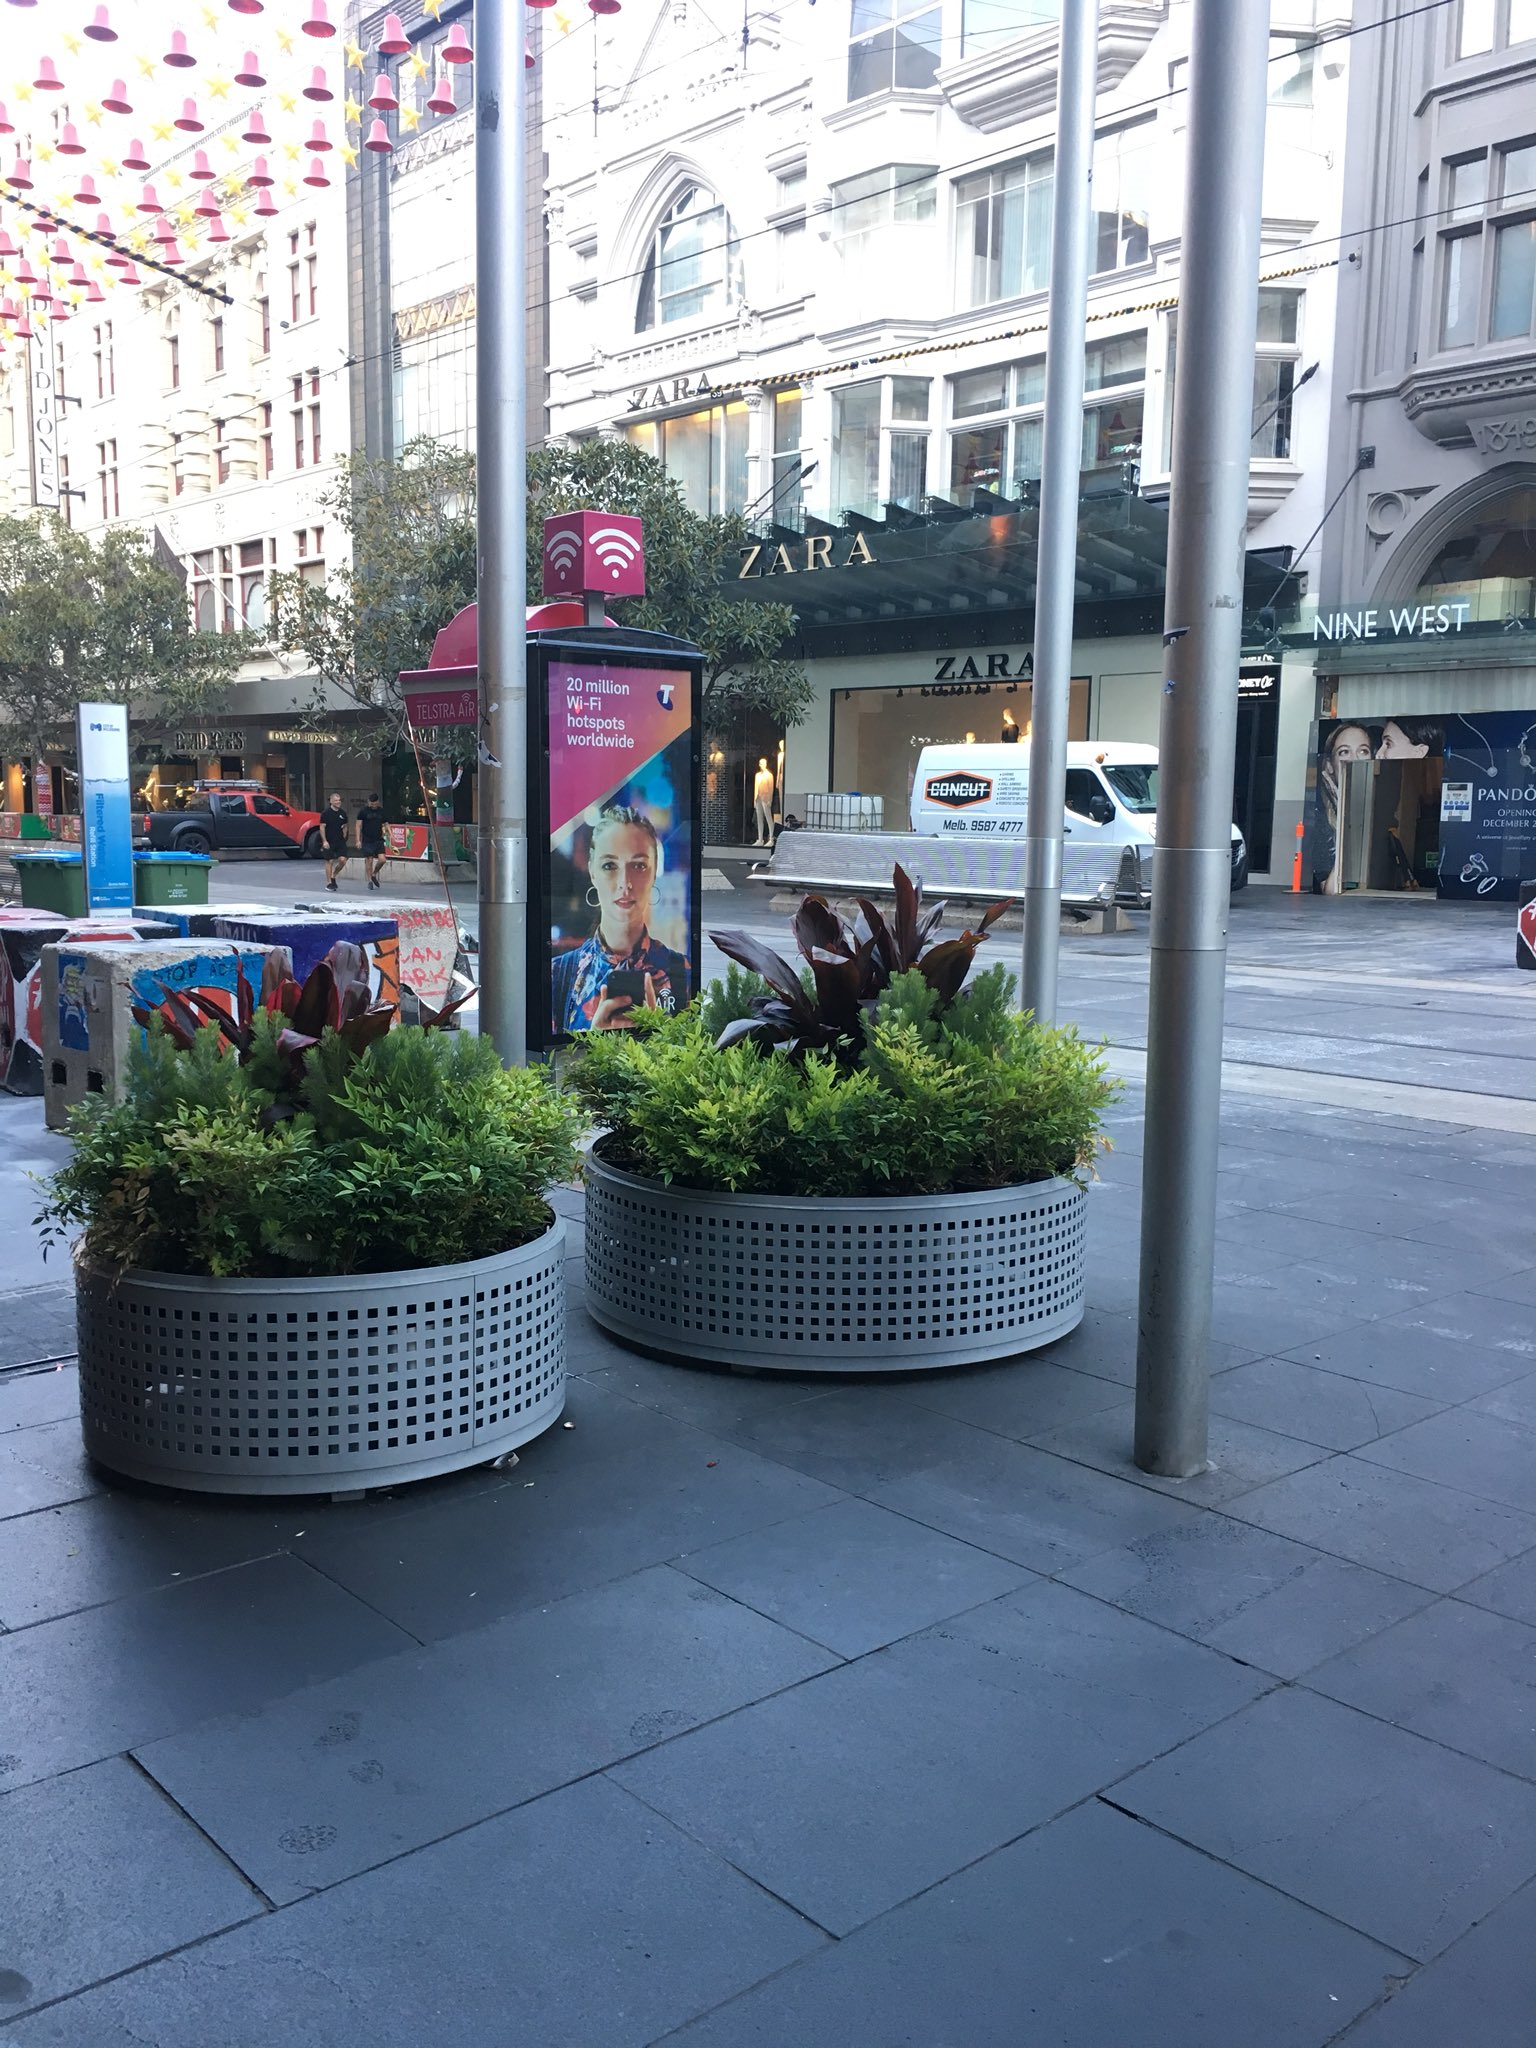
(239, 820)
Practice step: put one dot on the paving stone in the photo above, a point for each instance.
(1398, 1837)
(51, 1394)
(1454, 1673)
(1480, 1994)
(1481, 1322)
(1259, 1316)
(1519, 1286)
(853, 1576)
(1396, 1523)
(582, 1921)
(842, 1795)
(326, 1782)
(1040, 1511)
(1515, 1402)
(1318, 1407)
(174, 1657)
(1091, 1931)
(1271, 1602)
(858, 1437)
(102, 1873)
(43, 1467)
(1399, 1352)
(1482, 1454)
(569, 1521)
(1508, 1589)
(36, 1322)
(1017, 1398)
(1241, 1456)
(61, 1559)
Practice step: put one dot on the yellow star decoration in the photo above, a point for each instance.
(285, 42)
(351, 112)
(93, 113)
(210, 20)
(64, 197)
(218, 88)
(432, 7)
(147, 66)
(410, 119)
(238, 215)
(291, 152)
(291, 188)
(232, 144)
(161, 130)
(110, 166)
(418, 63)
(562, 22)
(72, 43)
(357, 56)
(175, 179)
(287, 102)
(21, 90)
(44, 152)
(347, 154)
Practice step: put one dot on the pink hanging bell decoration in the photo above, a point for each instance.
(258, 177)
(319, 141)
(441, 100)
(77, 276)
(377, 138)
(245, 6)
(315, 175)
(383, 95)
(250, 71)
(256, 129)
(218, 232)
(87, 195)
(456, 49)
(171, 253)
(202, 172)
(265, 207)
(134, 159)
(48, 79)
(99, 28)
(318, 21)
(7, 125)
(20, 175)
(207, 205)
(148, 203)
(95, 296)
(317, 89)
(178, 56)
(187, 120)
(394, 42)
(116, 101)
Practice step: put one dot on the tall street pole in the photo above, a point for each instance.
(1060, 481)
(1202, 638)
(500, 429)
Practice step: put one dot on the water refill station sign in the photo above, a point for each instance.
(614, 750)
(106, 818)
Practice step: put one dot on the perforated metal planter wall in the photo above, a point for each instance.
(322, 1386)
(794, 1284)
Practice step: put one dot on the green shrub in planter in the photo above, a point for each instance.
(419, 1150)
(879, 1070)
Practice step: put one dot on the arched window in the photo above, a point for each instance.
(1490, 560)
(693, 266)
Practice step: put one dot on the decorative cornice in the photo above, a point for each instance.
(1009, 85)
(432, 316)
(1449, 402)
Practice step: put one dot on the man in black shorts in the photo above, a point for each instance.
(370, 839)
(333, 824)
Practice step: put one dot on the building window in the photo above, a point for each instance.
(255, 559)
(216, 344)
(1276, 357)
(452, 85)
(1122, 233)
(988, 25)
(101, 352)
(1003, 231)
(173, 359)
(309, 552)
(220, 453)
(1291, 60)
(1487, 248)
(64, 491)
(106, 478)
(694, 265)
(178, 475)
(705, 453)
(213, 591)
(894, 45)
(998, 457)
(880, 446)
(1493, 25)
(314, 416)
(789, 278)
(266, 440)
(869, 211)
(264, 319)
(311, 285)
(787, 502)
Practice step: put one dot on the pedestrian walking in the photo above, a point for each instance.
(370, 839)
(333, 823)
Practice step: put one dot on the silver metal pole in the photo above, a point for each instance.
(1061, 470)
(1192, 866)
(500, 347)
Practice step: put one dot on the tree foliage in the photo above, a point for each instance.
(100, 620)
(689, 564)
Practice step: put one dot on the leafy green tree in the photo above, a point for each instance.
(690, 562)
(101, 620)
(411, 527)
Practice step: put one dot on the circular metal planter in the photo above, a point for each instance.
(325, 1385)
(784, 1283)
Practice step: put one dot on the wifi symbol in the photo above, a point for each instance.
(561, 552)
(615, 549)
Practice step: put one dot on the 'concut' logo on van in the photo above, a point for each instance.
(957, 792)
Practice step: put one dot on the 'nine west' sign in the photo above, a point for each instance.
(1398, 622)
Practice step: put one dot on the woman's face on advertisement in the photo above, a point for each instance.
(1396, 745)
(1350, 743)
(623, 873)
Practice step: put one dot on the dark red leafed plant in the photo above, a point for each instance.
(849, 966)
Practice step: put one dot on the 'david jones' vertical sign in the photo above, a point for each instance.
(43, 406)
(106, 819)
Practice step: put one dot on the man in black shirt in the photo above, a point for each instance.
(370, 839)
(333, 823)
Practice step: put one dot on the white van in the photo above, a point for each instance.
(966, 791)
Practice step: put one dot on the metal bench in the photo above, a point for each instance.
(1096, 877)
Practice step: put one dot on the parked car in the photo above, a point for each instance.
(235, 818)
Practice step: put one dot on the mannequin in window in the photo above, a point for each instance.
(1010, 730)
(762, 802)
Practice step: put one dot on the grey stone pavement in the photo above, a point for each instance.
(860, 1715)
